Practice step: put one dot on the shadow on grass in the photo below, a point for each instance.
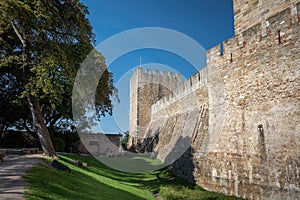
(138, 164)
(99, 181)
(146, 181)
(48, 183)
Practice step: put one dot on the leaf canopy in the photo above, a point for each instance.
(57, 36)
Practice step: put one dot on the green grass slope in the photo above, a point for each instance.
(101, 182)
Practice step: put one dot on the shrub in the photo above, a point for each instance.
(18, 139)
(59, 144)
(124, 140)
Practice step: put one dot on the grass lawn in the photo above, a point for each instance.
(132, 164)
(101, 182)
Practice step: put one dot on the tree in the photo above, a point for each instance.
(124, 140)
(43, 43)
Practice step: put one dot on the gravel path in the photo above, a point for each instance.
(11, 172)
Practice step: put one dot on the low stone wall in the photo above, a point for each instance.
(100, 144)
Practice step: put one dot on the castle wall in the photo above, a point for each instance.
(181, 90)
(247, 13)
(241, 113)
(178, 124)
(146, 88)
(254, 114)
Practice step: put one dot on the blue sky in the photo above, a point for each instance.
(208, 22)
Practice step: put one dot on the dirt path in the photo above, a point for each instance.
(11, 172)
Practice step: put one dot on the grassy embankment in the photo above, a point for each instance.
(101, 182)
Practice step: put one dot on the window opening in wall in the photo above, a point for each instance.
(221, 49)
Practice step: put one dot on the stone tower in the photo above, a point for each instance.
(146, 88)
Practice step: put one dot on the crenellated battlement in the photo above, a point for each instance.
(240, 112)
(158, 89)
(278, 31)
(196, 81)
(146, 72)
(273, 31)
(146, 88)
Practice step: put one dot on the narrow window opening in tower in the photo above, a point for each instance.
(279, 37)
(221, 49)
(231, 57)
(159, 92)
(262, 143)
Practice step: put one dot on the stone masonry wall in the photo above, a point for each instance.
(241, 113)
(254, 113)
(146, 88)
(247, 13)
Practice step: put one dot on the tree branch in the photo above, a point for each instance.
(18, 34)
(13, 81)
(26, 127)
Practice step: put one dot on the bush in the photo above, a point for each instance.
(59, 144)
(124, 140)
(72, 141)
(18, 139)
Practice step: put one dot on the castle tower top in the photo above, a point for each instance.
(251, 12)
(144, 73)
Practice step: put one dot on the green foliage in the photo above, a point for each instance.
(124, 140)
(70, 138)
(72, 141)
(42, 45)
(18, 139)
(14, 111)
(59, 144)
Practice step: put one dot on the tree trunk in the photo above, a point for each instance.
(38, 119)
(40, 127)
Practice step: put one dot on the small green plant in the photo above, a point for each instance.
(124, 140)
